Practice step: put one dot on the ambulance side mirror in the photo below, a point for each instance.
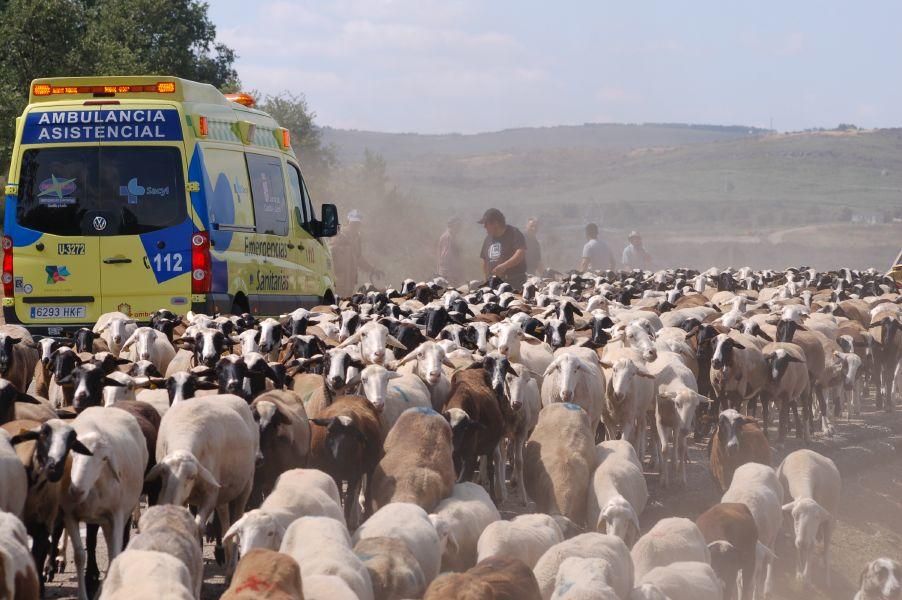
(328, 227)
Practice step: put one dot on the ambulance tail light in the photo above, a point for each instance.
(201, 263)
(7, 277)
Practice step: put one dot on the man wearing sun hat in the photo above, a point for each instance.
(635, 256)
(347, 256)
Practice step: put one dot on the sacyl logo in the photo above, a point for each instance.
(132, 191)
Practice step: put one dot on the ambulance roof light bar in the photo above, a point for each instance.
(47, 89)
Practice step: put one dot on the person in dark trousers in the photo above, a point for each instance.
(504, 249)
(596, 254)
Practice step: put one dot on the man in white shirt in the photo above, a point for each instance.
(635, 256)
(595, 252)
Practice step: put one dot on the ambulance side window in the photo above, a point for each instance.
(268, 193)
(300, 198)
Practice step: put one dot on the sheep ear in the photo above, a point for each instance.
(394, 375)
(113, 464)
(154, 473)
(322, 422)
(795, 359)
(394, 343)
(644, 373)
(109, 381)
(207, 476)
(233, 530)
(351, 340)
(787, 508)
(447, 362)
(131, 340)
(551, 369)
(80, 448)
(412, 355)
(25, 435)
(605, 364)
(26, 399)
(703, 399)
(721, 546)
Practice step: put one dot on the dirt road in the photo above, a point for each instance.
(868, 452)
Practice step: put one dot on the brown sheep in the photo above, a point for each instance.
(560, 459)
(732, 536)
(495, 578)
(265, 575)
(477, 427)
(736, 440)
(394, 570)
(411, 470)
(284, 439)
(347, 444)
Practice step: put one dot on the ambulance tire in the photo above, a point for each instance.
(240, 305)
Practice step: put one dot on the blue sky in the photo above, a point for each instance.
(433, 66)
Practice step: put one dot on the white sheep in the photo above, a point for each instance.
(621, 449)
(587, 545)
(426, 362)
(410, 523)
(18, 576)
(392, 393)
(616, 497)
(206, 451)
(13, 480)
(525, 537)
(374, 339)
(814, 484)
(297, 493)
(105, 486)
(686, 580)
(463, 517)
(629, 397)
(114, 328)
(520, 348)
(758, 487)
(146, 574)
(578, 379)
(322, 547)
(171, 529)
(146, 343)
(525, 404)
(671, 540)
(581, 578)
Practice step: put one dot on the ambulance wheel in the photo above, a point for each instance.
(240, 305)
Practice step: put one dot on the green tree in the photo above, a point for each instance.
(41, 39)
(158, 37)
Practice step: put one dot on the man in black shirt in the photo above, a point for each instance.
(504, 249)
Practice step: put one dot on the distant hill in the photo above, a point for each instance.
(691, 188)
(350, 144)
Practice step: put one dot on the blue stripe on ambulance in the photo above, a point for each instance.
(21, 236)
(175, 243)
(221, 239)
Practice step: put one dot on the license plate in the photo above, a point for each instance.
(58, 312)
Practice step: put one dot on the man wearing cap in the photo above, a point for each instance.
(595, 252)
(449, 253)
(347, 256)
(504, 249)
(635, 256)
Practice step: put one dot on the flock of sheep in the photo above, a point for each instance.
(361, 450)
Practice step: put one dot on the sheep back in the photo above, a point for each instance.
(394, 570)
(560, 459)
(587, 545)
(417, 466)
(264, 574)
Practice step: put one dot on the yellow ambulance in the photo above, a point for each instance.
(134, 194)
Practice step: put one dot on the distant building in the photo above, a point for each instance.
(867, 217)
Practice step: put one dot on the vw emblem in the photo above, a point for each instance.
(99, 223)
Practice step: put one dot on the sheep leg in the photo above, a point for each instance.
(518, 469)
(828, 535)
(498, 472)
(661, 449)
(352, 505)
(40, 546)
(748, 578)
(92, 572)
(58, 548)
(784, 417)
(78, 550)
(222, 512)
(826, 427)
(765, 414)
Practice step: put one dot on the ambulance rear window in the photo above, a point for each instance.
(134, 189)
